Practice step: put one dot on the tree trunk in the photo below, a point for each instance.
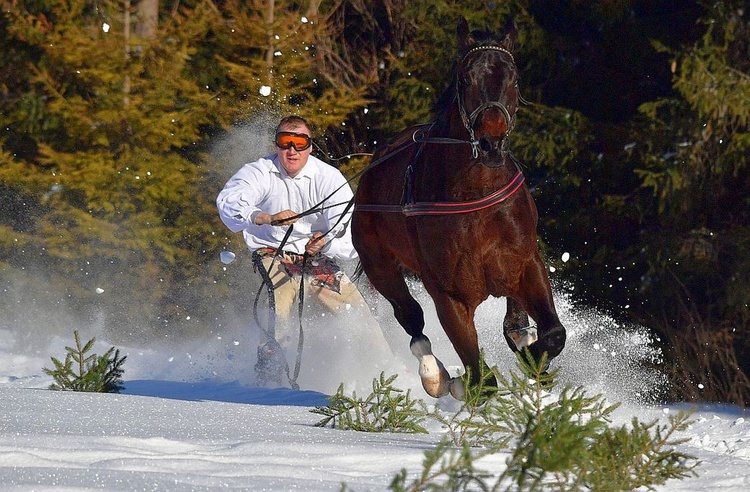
(148, 19)
(271, 44)
(126, 39)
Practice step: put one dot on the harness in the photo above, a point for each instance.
(408, 206)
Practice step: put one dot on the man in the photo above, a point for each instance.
(266, 198)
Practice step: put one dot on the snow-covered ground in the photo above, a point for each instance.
(190, 417)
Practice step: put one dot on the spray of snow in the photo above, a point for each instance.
(615, 359)
(603, 355)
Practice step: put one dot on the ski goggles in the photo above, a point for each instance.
(287, 140)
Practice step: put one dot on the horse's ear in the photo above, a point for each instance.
(511, 35)
(464, 40)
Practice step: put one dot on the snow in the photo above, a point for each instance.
(190, 417)
(227, 257)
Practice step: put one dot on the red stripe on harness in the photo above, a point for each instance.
(447, 208)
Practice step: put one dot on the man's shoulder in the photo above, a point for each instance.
(264, 164)
(322, 167)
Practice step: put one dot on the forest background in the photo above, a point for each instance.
(120, 120)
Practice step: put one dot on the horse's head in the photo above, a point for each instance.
(487, 87)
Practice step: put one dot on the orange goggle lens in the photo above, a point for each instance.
(287, 140)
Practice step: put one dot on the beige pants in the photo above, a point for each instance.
(348, 299)
(286, 290)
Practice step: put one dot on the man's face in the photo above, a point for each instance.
(291, 159)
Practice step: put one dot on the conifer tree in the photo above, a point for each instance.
(113, 173)
(107, 130)
(695, 170)
(83, 371)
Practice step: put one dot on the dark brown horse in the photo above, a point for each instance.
(447, 202)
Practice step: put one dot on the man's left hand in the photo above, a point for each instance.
(315, 244)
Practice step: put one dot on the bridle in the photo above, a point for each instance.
(469, 120)
(421, 138)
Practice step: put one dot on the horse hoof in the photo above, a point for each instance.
(435, 379)
(457, 389)
(523, 337)
(420, 347)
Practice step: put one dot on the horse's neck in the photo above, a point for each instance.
(451, 125)
(454, 174)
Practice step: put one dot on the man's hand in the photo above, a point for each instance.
(285, 217)
(315, 244)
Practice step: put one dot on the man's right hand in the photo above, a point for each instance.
(285, 217)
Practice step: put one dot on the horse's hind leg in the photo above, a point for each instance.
(387, 279)
(457, 318)
(435, 378)
(518, 333)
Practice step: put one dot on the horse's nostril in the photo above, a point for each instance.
(485, 144)
(491, 145)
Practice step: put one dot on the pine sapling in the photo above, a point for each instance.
(561, 440)
(385, 409)
(445, 468)
(82, 371)
(475, 422)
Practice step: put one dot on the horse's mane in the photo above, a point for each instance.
(442, 107)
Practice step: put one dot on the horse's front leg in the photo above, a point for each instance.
(537, 299)
(457, 319)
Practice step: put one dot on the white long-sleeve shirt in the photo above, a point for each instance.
(264, 186)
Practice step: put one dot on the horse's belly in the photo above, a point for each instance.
(474, 260)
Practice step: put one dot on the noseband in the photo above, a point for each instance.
(470, 120)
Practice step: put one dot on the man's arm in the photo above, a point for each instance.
(238, 201)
